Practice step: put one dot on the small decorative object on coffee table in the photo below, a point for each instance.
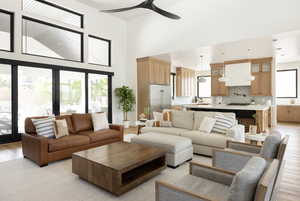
(252, 129)
(140, 125)
(256, 139)
(119, 167)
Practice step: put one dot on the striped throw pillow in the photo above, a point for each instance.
(44, 127)
(223, 124)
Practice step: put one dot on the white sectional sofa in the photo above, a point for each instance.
(186, 124)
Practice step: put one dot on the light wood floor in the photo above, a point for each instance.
(290, 185)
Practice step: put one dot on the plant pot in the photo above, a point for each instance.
(126, 124)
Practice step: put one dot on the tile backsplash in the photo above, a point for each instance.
(242, 95)
(236, 95)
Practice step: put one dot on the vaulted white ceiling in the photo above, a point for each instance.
(127, 15)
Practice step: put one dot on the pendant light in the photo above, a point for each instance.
(201, 79)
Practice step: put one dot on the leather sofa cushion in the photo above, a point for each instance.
(82, 122)
(206, 139)
(68, 119)
(67, 142)
(101, 135)
(165, 130)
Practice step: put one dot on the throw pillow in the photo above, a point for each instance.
(44, 127)
(223, 124)
(60, 128)
(158, 116)
(100, 121)
(207, 124)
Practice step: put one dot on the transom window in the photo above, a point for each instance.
(287, 83)
(99, 51)
(53, 11)
(44, 39)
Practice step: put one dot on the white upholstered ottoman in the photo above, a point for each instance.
(179, 149)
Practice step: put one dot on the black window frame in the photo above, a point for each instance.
(61, 8)
(16, 136)
(109, 49)
(12, 30)
(198, 85)
(296, 70)
(58, 27)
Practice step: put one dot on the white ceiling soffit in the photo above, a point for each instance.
(260, 47)
(287, 47)
(127, 15)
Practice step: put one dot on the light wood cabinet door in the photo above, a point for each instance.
(256, 84)
(261, 86)
(185, 82)
(288, 114)
(218, 88)
(262, 71)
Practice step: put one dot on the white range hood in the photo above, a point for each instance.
(237, 75)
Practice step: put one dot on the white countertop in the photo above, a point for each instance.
(229, 107)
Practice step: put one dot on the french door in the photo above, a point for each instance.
(32, 89)
(5, 101)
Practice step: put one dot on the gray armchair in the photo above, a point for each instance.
(237, 154)
(255, 181)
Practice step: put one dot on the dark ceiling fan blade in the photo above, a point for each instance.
(121, 9)
(165, 13)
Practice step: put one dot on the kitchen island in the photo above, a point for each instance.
(246, 114)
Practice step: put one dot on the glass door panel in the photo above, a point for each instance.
(98, 93)
(5, 100)
(34, 93)
(72, 92)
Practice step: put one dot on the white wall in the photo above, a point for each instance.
(207, 23)
(96, 23)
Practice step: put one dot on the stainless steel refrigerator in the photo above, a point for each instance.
(160, 98)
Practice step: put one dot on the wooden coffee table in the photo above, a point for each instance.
(120, 166)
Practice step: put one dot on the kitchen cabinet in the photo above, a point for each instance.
(288, 113)
(150, 71)
(185, 82)
(262, 71)
(218, 88)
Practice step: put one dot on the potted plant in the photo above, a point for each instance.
(126, 102)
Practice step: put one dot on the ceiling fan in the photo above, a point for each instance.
(148, 4)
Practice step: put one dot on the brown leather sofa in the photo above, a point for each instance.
(82, 136)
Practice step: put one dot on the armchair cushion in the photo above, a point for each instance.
(245, 182)
(206, 189)
(230, 160)
(211, 173)
(239, 146)
(271, 146)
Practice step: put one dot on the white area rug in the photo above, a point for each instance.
(23, 180)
